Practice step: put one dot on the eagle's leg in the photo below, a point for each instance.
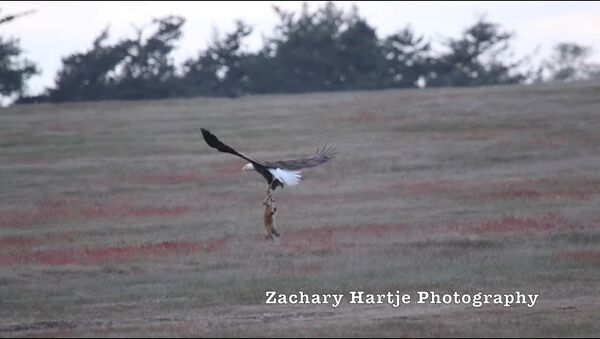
(269, 196)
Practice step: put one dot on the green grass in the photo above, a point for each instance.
(487, 189)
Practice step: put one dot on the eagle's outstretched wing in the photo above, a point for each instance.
(217, 144)
(320, 157)
(276, 172)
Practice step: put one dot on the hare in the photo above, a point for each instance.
(269, 215)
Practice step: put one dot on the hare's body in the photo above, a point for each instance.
(269, 215)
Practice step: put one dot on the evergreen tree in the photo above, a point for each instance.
(569, 62)
(221, 69)
(477, 58)
(14, 69)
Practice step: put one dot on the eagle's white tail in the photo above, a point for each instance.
(288, 178)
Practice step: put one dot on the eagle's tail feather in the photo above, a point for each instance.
(288, 178)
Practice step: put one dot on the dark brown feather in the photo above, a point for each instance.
(320, 157)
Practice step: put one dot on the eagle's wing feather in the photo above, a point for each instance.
(217, 144)
(320, 157)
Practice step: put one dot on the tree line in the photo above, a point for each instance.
(325, 49)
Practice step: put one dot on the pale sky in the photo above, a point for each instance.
(58, 29)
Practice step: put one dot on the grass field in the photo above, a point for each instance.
(116, 219)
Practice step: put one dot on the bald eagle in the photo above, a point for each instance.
(277, 173)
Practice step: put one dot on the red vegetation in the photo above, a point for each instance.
(521, 225)
(362, 195)
(217, 245)
(481, 134)
(169, 179)
(592, 256)
(563, 138)
(367, 117)
(548, 140)
(29, 241)
(331, 238)
(57, 210)
(528, 193)
(438, 186)
(229, 168)
(42, 212)
(311, 239)
(18, 240)
(106, 211)
(469, 135)
(303, 268)
(503, 189)
(87, 256)
(182, 329)
(225, 200)
(32, 160)
(64, 126)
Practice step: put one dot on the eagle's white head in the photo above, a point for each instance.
(248, 167)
